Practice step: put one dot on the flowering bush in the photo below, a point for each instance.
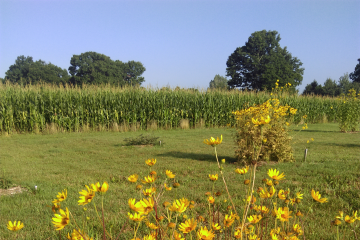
(263, 130)
(348, 113)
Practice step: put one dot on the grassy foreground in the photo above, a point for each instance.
(71, 160)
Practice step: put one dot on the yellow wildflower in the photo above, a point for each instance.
(283, 214)
(253, 237)
(151, 225)
(211, 199)
(149, 192)
(133, 178)
(150, 162)
(237, 234)
(297, 229)
(336, 222)
(349, 219)
(317, 197)
(216, 226)
(136, 217)
(178, 236)
(167, 188)
(61, 196)
(283, 194)
(262, 209)
(264, 193)
(229, 219)
(137, 207)
(147, 205)
(62, 219)
(178, 206)
(213, 177)
(205, 234)
(212, 141)
(274, 174)
(242, 171)
(150, 237)
(15, 226)
(87, 196)
(77, 234)
(169, 174)
(149, 179)
(254, 218)
(55, 207)
(188, 226)
(102, 189)
(171, 225)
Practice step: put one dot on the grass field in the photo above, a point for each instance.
(71, 160)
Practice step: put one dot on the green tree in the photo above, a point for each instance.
(133, 70)
(330, 88)
(47, 72)
(261, 62)
(355, 76)
(26, 71)
(344, 84)
(96, 68)
(219, 82)
(313, 88)
(19, 70)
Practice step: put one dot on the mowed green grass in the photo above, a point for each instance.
(71, 160)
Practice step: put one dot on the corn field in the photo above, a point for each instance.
(36, 108)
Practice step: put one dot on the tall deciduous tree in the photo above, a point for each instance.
(344, 84)
(330, 88)
(261, 62)
(26, 71)
(313, 88)
(95, 68)
(47, 72)
(355, 76)
(19, 70)
(133, 70)
(219, 82)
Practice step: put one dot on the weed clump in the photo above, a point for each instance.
(141, 140)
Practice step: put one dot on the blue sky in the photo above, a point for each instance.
(181, 43)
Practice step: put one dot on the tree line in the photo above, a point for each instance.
(257, 65)
(333, 88)
(86, 68)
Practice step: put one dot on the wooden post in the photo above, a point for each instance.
(305, 154)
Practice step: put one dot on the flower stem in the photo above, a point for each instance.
(103, 221)
(136, 230)
(222, 175)
(251, 195)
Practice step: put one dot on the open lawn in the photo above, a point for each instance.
(72, 160)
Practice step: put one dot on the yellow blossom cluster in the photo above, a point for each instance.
(347, 219)
(264, 113)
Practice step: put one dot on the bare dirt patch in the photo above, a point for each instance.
(12, 191)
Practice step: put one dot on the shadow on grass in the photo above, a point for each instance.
(326, 131)
(346, 145)
(196, 156)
